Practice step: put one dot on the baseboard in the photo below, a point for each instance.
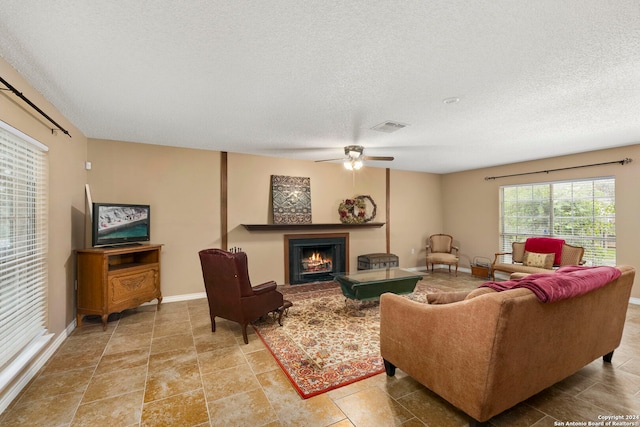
(24, 377)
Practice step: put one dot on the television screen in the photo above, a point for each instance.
(117, 224)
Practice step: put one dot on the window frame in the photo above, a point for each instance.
(599, 249)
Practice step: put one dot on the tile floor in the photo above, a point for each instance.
(166, 368)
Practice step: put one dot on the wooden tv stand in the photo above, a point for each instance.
(114, 279)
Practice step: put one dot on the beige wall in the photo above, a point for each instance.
(471, 205)
(416, 213)
(67, 178)
(183, 188)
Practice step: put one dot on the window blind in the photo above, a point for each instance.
(23, 246)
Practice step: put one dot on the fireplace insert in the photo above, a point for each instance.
(316, 259)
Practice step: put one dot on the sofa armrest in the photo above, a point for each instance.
(444, 347)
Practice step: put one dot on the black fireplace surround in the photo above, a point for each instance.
(316, 259)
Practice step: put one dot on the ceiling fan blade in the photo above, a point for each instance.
(329, 160)
(382, 158)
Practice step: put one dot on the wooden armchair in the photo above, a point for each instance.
(229, 291)
(440, 251)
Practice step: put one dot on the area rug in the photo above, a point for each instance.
(327, 342)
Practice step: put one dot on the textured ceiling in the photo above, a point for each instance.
(302, 79)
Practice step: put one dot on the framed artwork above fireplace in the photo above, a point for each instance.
(291, 199)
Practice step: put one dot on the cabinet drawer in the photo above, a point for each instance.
(133, 286)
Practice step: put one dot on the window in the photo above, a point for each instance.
(583, 213)
(23, 250)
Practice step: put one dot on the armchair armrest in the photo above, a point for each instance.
(264, 287)
(455, 248)
(495, 259)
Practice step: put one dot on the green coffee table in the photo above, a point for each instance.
(370, 284)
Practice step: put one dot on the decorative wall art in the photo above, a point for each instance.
(291, 198)
(357, 210)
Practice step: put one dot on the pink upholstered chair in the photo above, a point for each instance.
(229, 291)
(440, 250)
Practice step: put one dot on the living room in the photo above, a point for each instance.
(183, 187)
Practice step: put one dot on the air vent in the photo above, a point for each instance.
(389, 127)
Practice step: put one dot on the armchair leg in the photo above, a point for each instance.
(213, 323)
(244, 333)
(607, 357)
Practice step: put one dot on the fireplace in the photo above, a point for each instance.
(315, 257)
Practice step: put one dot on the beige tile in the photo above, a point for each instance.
(563, 406)
(122, 343)
(174, 378)
(431, 409)
(373, 407)
(172, 328)
(63, 362)
(612, 399)
(208, 341)
(73, 381)
(221, 358)
(228, 382)
(247, 409)
(51, 411)
(316, 411)
(261, 361)
(109, 385)
(126, 359)
(134, 328)
(122, 410)
(168, 343)
(277, 386)
(182, 410)
(521, 415)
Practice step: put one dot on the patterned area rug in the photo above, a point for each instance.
(326, 342)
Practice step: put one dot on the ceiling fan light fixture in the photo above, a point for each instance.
(353, 164)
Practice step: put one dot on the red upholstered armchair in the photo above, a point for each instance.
(229, 291)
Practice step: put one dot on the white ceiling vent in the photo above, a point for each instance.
(389, 127)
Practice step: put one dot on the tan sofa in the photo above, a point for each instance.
(571, 255)
(493, 350)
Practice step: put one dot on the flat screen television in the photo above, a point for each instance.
(120, 224)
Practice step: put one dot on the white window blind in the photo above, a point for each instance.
(23, 246)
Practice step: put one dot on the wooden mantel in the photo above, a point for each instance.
(332, 226)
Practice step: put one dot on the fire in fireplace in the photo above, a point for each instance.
(318, 260)
(315, 257)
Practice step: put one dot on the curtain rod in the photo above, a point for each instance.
(620, 162)
(35, 107)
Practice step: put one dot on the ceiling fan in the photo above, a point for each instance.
(355, 157)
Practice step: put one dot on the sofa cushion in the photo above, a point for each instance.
(534, 259)
(479, 291)
(446, 297)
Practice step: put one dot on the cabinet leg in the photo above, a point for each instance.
(159, 301)
(105, 317)
(78, 320)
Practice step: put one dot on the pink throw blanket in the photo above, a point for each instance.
(566, 282)
(545, 245)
